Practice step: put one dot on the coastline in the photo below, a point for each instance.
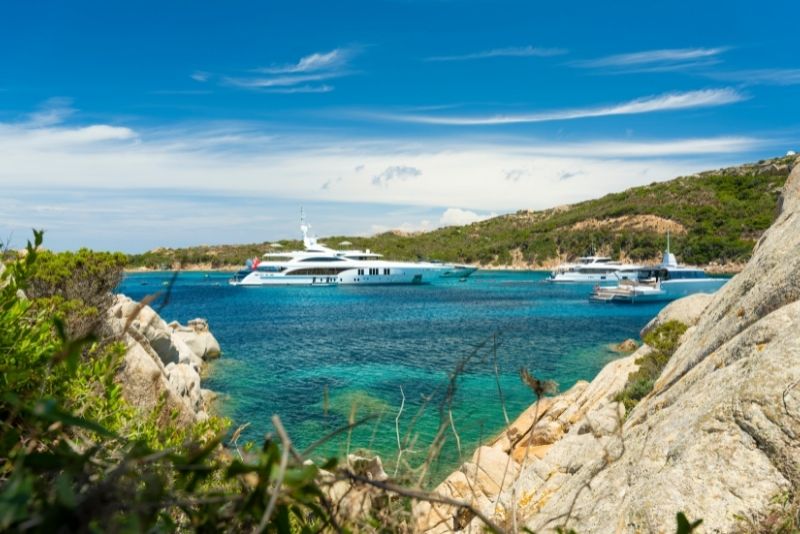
(711, 268)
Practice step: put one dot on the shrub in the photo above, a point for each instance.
(664, 341)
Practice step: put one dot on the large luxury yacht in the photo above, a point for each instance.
(589, 269)
(319, 265)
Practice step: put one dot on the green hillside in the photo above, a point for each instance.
(714, 216)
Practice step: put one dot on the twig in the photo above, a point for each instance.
(397, 431)
(330, 435)
(287, 444)
(453, 426)
(497, 379)
(235, 439)
(424, 496)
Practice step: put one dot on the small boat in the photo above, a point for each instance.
(630, 291)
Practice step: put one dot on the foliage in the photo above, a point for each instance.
(663, 340)
(75, 456)
(723, 214)
(75, 286)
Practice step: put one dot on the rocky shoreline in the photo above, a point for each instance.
(163, 362)
(715, 439)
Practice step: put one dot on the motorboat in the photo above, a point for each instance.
(320, 265)
(630, 291)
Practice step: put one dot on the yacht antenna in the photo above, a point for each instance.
(667, 240)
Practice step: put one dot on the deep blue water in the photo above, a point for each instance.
(310, 354)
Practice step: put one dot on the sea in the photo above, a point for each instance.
(384, 369)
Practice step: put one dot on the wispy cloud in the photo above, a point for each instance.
(300, 77)
(515, 175)
(200, 76)
(511, 51)
(53, 111)
(655, 60)
(760, 76)
(280, 81)
(395, 172)
(649, 104)
(319, 61)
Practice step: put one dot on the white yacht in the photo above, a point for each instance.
(663, 282)
(590, 269)
(319, 265)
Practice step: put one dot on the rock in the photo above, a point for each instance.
(171, 365)
(629, 345)
(371, 468)
(200, 341)
(144, 383)
(186, 383)
(687, 310)
(718, 437)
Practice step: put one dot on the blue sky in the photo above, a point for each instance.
(136, 125)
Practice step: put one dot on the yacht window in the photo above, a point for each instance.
(316, 271)
(323, 258)
(361, 272)
(270, 268)
(387, 272)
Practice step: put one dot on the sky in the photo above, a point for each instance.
(135, 125)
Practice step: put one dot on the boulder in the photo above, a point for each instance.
(198, 338)
(686, 310)
(185, 381)
(144, 383)
(629, 345)
(717, 439)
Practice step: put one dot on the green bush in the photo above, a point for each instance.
(664, 341)
(76, 456)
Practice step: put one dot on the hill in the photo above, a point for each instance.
(715, 217)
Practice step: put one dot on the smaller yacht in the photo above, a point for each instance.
(590, 269)
(663, 282)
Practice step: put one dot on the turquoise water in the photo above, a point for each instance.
(310, 354)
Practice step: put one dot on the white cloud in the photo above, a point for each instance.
(200, 76)
(511, 51)
(395, 172)
(303, 89)
(298, 77)
(215, 161)
(649, 104)
(665, 59)
(279, 81)
(314, 62)
(52, 111)
(760, 76)
(515, 175)
(459, 217)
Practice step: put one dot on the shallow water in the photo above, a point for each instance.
(310, 354)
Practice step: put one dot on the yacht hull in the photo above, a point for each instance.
(398, 276)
